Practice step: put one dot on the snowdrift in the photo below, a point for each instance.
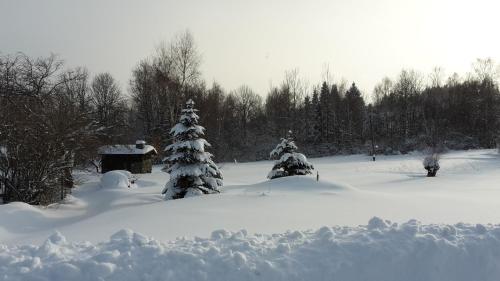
(380, 250)
(298, 184)
(117, 179)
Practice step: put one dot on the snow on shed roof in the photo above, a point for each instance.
(126, 149)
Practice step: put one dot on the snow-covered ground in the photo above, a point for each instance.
(294, 228)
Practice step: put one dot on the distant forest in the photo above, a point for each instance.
(50, 112)
(412, 111)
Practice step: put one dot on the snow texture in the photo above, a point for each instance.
(117, 179)
(379, 251)
(197, 145)
(181, 128)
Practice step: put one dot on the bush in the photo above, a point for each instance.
(431, 164)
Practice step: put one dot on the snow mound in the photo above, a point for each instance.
(299, 183)
(15, 212)
(117, 180)
(379, 251)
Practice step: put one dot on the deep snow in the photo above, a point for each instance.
(117, 179)
(351, 190)
(379, 251)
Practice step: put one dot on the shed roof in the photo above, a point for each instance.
(126, 149)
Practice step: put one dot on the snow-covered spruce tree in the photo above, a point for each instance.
(431, 164)
(192, 171)
(289, 162)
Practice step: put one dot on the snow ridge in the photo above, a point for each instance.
(380, 250)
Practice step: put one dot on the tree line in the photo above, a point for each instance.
(54, 119)
(409, 112)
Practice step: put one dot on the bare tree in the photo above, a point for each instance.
(296, 86)
(484, 69)
(327, 75)
(436, 77)
(162, 83)
(382, 89)
(185, 60)
(454, 80)
(109, 105)
(248, 104)
(410, 82)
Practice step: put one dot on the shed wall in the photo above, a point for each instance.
(136, 164)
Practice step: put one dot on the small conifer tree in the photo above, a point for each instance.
(289, 162)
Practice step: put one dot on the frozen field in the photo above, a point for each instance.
(294, 228)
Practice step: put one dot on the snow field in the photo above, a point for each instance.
(285, 237)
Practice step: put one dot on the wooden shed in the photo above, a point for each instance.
(137, 159)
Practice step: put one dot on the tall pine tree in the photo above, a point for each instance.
(335, 113)
(316, 117)
(192, 171)
(325, 107)
(355, 106)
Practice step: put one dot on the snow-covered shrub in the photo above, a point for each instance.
(289, 162)
(117, 179)
(192, 171)
(431, 164)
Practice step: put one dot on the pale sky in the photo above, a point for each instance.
(255, 42)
